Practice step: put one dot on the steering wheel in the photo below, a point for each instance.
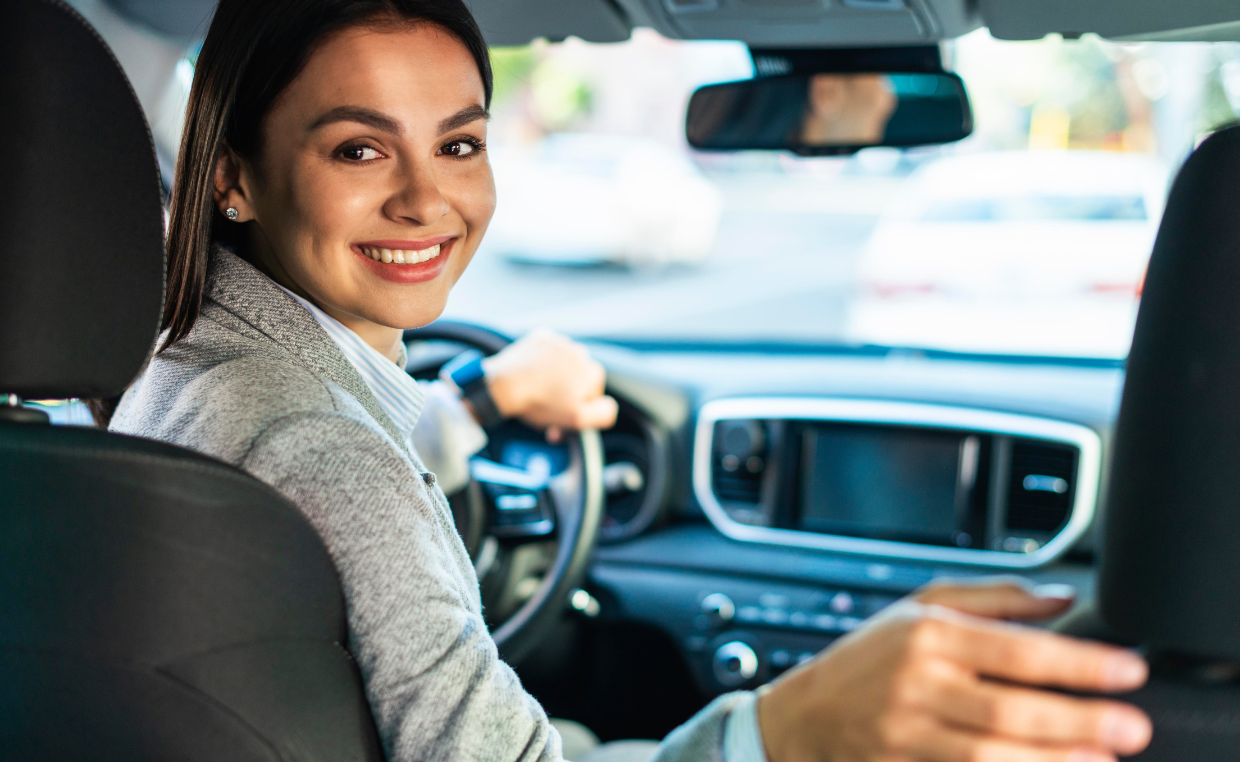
(520, 521)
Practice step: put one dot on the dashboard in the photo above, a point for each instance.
(785, 498)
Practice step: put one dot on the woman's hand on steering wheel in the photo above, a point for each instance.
(550, 382)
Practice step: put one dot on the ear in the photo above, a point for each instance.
(230, 186)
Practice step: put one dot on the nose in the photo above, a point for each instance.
(418, 200)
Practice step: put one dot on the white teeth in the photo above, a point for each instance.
(401, 256)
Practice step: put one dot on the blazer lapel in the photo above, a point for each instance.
(240, 288)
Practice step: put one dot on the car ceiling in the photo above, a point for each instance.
(793, 23)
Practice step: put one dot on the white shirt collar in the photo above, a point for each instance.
(395, 390)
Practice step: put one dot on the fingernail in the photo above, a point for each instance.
(1088, 755)
(1055, 591)
(1124, 670)
(1125, 732)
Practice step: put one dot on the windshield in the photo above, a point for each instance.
(1031, 237)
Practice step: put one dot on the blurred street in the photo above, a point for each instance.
(782, 267)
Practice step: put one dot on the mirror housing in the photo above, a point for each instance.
(824, 103)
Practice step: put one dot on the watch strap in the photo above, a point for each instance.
(466, 374)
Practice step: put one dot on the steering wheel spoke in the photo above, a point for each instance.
(530, 531)
(519, 502)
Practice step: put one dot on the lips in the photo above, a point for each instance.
(401, 261)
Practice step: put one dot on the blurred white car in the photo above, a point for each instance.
(974, 249)
(586, 198)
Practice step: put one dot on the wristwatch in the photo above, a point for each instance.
(464, 373)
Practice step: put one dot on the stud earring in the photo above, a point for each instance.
(232, 213)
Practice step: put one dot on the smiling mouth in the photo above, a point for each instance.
(401, 256)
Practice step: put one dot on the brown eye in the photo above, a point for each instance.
(458, 148)
(359, 153)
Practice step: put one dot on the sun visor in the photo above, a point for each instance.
(809, 23)
(517, 22)
(1206, 20)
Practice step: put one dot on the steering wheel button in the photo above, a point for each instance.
(519, 502)
(749, 614)
(798, 619)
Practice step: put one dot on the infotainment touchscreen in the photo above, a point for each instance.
(886, 482)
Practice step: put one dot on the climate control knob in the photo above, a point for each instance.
(718, 608)
(735, 663)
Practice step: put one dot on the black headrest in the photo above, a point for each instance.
(81, 224)
(1170, 574)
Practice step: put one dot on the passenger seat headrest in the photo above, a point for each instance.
(81, 220)
(1170, 574)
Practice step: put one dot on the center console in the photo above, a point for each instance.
(896, 479)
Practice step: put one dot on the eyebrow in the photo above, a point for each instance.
(463, 117)
(381, 121)
(365, 116)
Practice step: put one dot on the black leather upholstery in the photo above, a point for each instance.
(1171, 555)
(154, 604)
(81, 226)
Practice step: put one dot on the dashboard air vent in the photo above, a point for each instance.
(738, 460)
(1041, 488)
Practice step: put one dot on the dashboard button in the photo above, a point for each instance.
(735, 663)
(773, 601)
(774, 616)
(842, 603)
(718, 608)
(826, 622)
(749, 614)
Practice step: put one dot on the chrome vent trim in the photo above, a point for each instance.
(1086, 440)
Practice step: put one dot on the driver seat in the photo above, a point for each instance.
(154, 603)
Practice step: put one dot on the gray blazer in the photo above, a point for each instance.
(259, 384)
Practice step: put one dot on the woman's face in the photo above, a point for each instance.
(374, 154)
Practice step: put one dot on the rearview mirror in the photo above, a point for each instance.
(825, 114)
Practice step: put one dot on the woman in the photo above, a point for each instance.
(327, 141)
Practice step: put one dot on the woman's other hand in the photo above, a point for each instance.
(933, 679)
(550, 382)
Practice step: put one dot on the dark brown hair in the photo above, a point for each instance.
(253, 50)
